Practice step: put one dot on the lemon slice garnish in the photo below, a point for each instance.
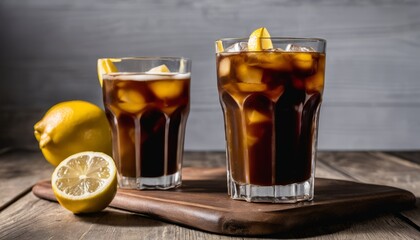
(106, 65)
(219, 46)
(159, 69)
(85, 182)
(257, 40)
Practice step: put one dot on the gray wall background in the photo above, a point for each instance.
(48, 52)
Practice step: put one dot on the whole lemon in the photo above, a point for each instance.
(71, 127)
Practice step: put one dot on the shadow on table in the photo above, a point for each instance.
(111, 217)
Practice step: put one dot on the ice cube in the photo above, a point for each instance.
(130, 100)
(297, 48)
(251, 140)
(257, 134)
(251, 87)
(239, 91)
(275, 92)
(249, 74)
(303, 62)
(277, 50)
(315, 83)
(256, 116)
(302, 57)
(237, 47)
(275, 61)
(130, 96)
(258, 123)
(170, 109)
(224, 67)
(166, 89)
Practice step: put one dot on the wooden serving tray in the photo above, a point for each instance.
(202, 202)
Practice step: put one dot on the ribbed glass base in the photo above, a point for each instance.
(296, 192)
(163, 182)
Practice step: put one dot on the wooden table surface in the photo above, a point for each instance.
(24, 216)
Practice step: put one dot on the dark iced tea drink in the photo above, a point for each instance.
(148, 113)
(271, 100)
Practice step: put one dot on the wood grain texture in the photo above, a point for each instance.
(49, 51)
(407, 155)
(19, 170)
(31, 218)
(202, 203)
(378, 168)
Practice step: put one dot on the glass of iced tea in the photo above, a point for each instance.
(147, 104)
(271, 99)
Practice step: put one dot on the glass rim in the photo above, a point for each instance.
(149, 58)
(284, 39)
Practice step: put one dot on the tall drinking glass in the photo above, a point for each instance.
(271, 101)
(147, 104)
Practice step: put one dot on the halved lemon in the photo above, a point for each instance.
(106, 65)
(85, 182)
(259, 40)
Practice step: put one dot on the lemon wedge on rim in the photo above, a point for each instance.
(219, 46)
(259, 40)
(85, 182)
(106, 65)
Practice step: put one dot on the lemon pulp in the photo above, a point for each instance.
(85, 182)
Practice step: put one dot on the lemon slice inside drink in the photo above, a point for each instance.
(259, 40)
(85, 182)
(106, 65)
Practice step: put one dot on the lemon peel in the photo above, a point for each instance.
(71, 127)
(85, 182)
(106, 65)
(259, 40)
(219, 46)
